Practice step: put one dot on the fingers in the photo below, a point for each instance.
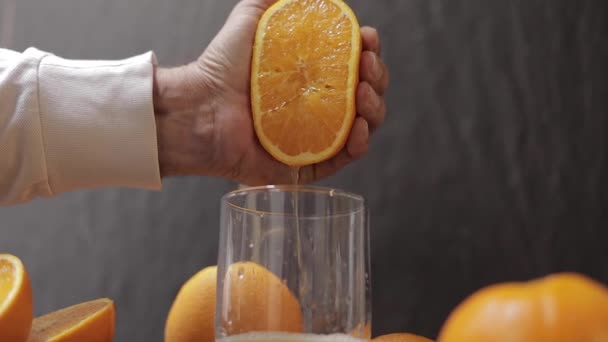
(370, 106)
(373, 71)
(374, 78)
(358, 141)
(356, 146)
(370, 40)
(325, 169)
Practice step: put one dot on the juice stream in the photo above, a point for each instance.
(303, 286)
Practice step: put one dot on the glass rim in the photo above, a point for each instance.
(332, 192)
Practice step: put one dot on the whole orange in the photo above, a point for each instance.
(558, 308)
(191, 318)
(264, 303)
(255, 300)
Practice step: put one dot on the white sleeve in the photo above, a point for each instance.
(69, 124)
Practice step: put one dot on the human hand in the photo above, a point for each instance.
(204, 118)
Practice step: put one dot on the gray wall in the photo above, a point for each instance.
(492, 165)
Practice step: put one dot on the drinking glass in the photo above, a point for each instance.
(293, 265)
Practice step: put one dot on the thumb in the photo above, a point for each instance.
(243, 19)
(228, 55)
(255, 7)
(261, 4)
(248, 10)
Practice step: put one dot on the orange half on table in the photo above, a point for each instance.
(304, 76)
(92, 321)
(16, 308)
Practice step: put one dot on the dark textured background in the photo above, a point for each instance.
(492, 165)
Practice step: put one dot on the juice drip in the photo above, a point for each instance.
(303, 286)
(295, 175)
(295, 180)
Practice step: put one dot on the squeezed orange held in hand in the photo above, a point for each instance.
(558, 308)
(16, 308)
(305, 72)
(91, 321)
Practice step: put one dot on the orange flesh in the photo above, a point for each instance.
(60, 321)
(7, 279)
(303, 76)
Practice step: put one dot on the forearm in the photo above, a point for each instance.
(67, 125)
(22, 165)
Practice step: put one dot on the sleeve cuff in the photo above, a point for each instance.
(98, 123)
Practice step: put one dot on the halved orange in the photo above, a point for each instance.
(304, 76)
(91, 321)
(16, 308)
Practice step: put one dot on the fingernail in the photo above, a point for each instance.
(376, 69)
(374, 97)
